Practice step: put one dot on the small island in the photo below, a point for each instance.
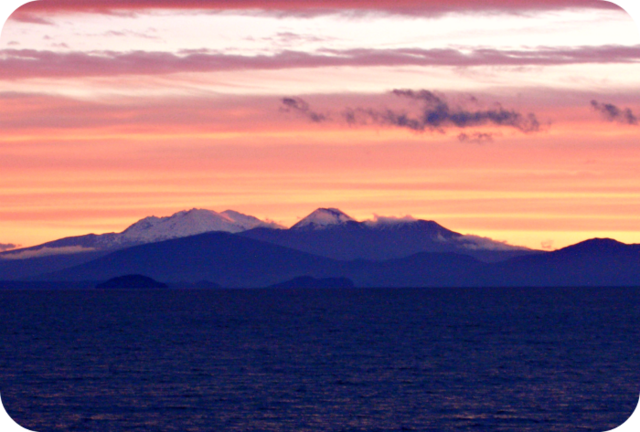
(131, 281)
(311, 282)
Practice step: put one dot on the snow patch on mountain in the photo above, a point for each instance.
(147, 230)
(474, 242)
(469, 241)
(323, 218)
(44, 251)
(197, 221)
(185, 223)
(248, 221)
(388, 221)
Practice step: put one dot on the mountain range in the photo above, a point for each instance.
(231, 249)
(148, 230)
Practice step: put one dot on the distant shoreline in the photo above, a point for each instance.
(90, 286)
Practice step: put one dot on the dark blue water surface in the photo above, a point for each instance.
(320, 360)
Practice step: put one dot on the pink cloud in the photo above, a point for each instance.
(306, 6)
(38, 114)
(30, 18)
(16, 64)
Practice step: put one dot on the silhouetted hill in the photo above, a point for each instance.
(236, 261)
(360, 240)
(229, 260)
(595, 262)
(419, 270)
(326, 232)
(599, 246)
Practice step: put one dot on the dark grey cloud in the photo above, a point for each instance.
(7, 246)
(614, 113)
(476, 137)
(299, 106)
(436, 114)
(433, 113)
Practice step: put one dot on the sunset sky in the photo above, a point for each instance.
(514, 120)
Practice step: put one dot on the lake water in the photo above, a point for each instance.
(320, 360)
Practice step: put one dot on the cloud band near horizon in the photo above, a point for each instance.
(23, 64)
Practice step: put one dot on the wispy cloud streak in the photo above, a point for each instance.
(16, 64)
(613, 113)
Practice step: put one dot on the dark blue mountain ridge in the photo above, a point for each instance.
(236, 261)
(593, 262)
(326, 232)
(219, 257)
(601, 245)
(327, 243)
(351, 240)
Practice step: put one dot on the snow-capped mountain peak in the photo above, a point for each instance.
(144, 224)
(180, 224)
(248, 221)
(323, 218)
(152, 229)
(186, 223)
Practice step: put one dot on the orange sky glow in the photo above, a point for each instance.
(522, 127)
